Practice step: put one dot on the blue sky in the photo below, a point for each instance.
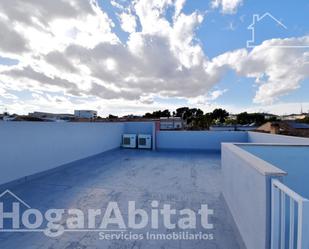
(68, 63)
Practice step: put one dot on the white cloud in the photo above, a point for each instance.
(179, 4)
(11, 41)
(5, 94)
(69, 47)
(163, 58)
(151, 15)
(128, 22)
(216, 94)
(227, 6)
(276, 71)
(53, 25)
(207, 99)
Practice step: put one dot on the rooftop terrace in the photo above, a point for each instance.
(81, 166)
(182, 179)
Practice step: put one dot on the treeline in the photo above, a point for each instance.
(197, 119)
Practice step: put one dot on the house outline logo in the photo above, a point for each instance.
(256, 18)
(15, 196)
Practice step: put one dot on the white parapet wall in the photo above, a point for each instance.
(198, 140)
(27, 148)
(258, 137)
(246, 189)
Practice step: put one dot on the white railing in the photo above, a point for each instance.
(289, 218)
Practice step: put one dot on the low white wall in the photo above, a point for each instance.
(246, 189)
(198, 140)
(258, 137)
(27, 148)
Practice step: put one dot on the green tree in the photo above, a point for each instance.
(249, 118)
(203, 122)
(189, 115)
(158, 114)
(182, 111)
(110, 116)
(220, 115)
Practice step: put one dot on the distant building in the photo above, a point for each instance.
(9, 118)
(89, 114)
(222, 128)
(270, 116)
(299, 126)
(232, 127)
(293, 117)
(290, 128)
(270, 127)
(232, 116)
(131, 116)
(172, 123)
(51, 116)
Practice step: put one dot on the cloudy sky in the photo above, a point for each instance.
(123, 57)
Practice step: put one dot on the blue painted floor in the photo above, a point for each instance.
(182, 179)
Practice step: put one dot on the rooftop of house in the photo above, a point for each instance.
(297, 125)
(291, 128)
(52, 165)
(124, 175)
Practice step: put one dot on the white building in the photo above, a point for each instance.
(293, 116)
(85, 114)
(173, 123)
